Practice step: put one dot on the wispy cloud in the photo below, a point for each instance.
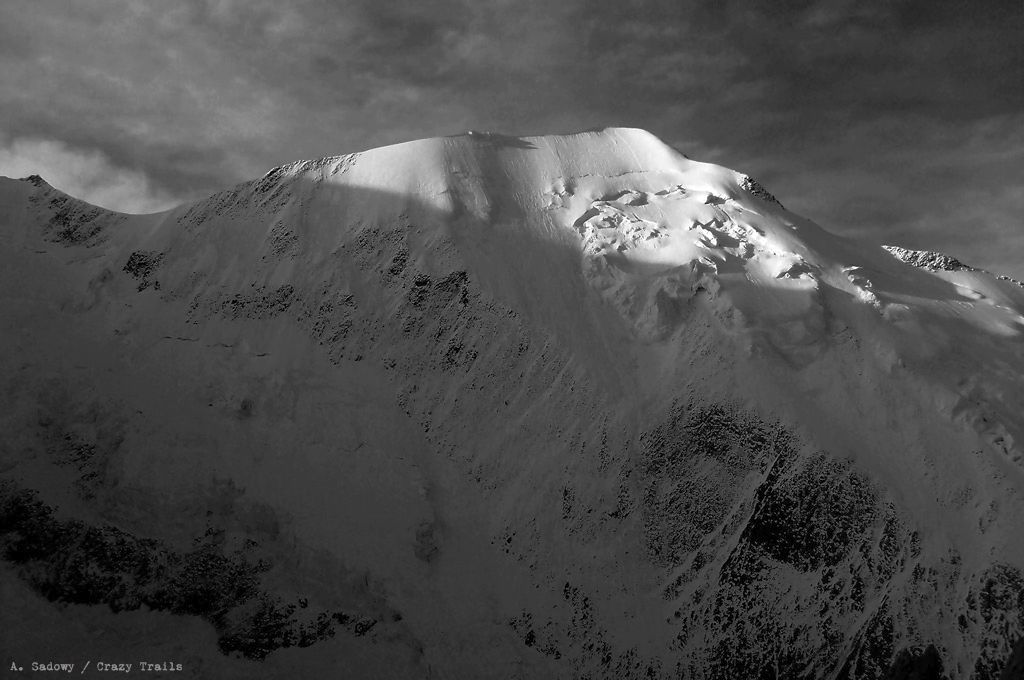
(83, 173)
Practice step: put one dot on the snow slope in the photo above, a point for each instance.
(489, 406)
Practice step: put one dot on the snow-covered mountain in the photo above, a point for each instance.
(500, 407)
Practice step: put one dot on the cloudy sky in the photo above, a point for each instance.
(894, 121)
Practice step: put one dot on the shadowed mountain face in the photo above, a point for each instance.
(485, 406)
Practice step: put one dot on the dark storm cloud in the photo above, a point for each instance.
(894, 121)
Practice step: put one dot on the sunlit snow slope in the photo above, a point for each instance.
(500, 407)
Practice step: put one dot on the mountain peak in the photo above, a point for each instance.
(559, 406)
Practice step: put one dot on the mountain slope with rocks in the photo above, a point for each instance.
(488, 406)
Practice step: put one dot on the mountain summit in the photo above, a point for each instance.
(491, 406)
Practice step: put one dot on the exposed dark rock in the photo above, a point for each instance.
(757, 189)
(693, 467)
(141, 265)
(917, 664)
(814, 515)
(73, 222)
(927, 259)
(34, 180)
(995, 609)
(72, 562)
(282, 242)
(259, 304)
(873, 649)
